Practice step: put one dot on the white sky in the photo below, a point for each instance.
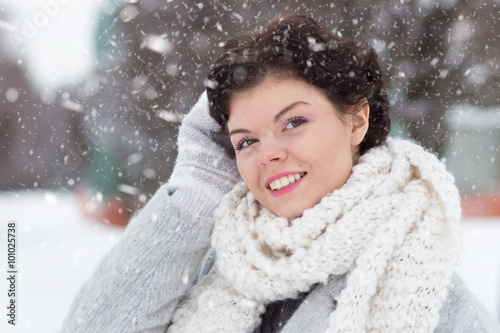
(57, 37)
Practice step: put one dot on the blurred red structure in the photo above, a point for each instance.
(110, 210)
(481, 204)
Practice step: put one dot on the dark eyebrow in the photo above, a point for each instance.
(286, 109)
(236, 131)
(276, 118)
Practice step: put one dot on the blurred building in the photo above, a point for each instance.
(112, 137)
(36, 132)
(473, 156)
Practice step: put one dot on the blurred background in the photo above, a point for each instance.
(92, 93)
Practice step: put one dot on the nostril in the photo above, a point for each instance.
(270, 152)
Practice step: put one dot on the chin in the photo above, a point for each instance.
(289, 214)
(291, 209)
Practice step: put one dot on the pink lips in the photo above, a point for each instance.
(283, 191)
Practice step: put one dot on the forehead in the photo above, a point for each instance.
(266, 97)
(271, 95)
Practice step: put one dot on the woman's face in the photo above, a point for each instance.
(292, 146)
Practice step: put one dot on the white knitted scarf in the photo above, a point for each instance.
(393, 226)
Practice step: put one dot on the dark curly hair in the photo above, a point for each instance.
(347, 70)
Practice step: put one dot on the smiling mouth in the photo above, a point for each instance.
(283, 182)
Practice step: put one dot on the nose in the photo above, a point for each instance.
(271, 151)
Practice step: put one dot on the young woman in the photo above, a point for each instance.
(334, 228)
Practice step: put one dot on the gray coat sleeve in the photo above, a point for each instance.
(138, 285)
(463, 313)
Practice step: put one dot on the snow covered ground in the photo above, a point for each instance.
(57, 249)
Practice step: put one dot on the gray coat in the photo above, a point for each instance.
(165, 251)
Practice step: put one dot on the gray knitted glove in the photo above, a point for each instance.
(203, 171)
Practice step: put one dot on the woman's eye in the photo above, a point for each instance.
(243, 143)
(295, 122)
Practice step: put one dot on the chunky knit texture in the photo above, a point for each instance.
(393, 227)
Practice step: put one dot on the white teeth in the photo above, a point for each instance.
(283, 182)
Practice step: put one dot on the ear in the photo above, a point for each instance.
(359, 125)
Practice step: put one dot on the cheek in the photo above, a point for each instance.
(244, 169)
(332, 154)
